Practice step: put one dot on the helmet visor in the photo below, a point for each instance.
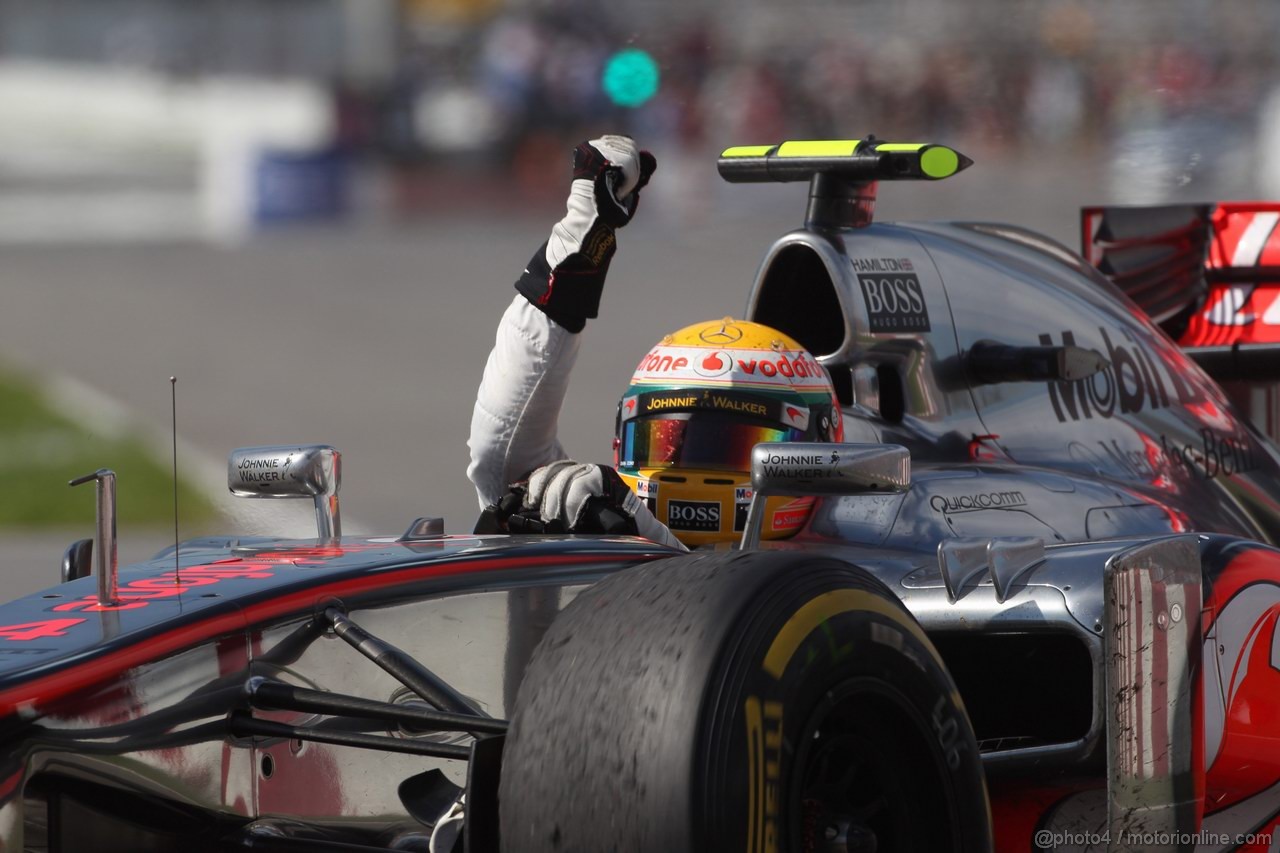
(714, 440)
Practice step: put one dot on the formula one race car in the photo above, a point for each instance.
(1036, 606)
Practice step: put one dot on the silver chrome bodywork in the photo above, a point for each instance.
(1053, 509)
(1034, 506)
(158, 728)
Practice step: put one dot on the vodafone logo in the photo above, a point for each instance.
(713, 364)
(719, 366)
(662, 361)
(802, 366)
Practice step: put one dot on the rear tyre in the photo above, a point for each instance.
(758, 701)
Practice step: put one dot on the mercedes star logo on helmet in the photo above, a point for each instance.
(725, 333)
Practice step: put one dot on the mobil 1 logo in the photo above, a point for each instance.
(892, 293)
(694, 515)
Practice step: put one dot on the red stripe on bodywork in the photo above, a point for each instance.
(1246, 302)
(1247, 762)
(42, 691)
(1018, 809)
(9, 784)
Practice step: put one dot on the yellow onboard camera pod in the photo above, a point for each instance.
(851, 159)
(842, 173)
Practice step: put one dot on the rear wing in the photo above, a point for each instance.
(1156, 255)
(1209, 274)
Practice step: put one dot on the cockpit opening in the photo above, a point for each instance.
(797, 296)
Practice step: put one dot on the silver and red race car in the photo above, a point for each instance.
(1035, 607)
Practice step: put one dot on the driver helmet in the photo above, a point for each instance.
(698, 403)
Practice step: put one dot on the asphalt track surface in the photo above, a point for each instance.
(373, 338)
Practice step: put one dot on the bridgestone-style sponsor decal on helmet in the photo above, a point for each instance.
(792, 516)
(892, 294)
(693, 515)
(671, 365)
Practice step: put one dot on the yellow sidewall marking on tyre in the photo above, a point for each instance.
(764, 773)
(755, 773)
(818, 610)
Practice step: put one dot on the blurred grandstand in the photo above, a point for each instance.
(209, 118)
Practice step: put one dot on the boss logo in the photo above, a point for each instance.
(895, 302)
(693, 515)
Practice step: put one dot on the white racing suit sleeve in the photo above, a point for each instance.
(513, 425)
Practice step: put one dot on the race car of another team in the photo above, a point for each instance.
(974, 547)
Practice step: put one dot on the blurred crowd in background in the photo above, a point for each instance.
(1060, 74)
(1010, 77)
(429, 91)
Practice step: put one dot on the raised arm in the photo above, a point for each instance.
(513, 427)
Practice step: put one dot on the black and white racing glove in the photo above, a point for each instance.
(566, 275)
(574, 497)
(566, 497)
(579, 497)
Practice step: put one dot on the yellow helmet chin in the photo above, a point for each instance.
(702, 507)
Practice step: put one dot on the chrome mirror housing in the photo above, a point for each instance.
(291, 471)
(817, 468)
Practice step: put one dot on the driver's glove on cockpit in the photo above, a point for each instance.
(579, 497)
(566, 276)
(574, 497)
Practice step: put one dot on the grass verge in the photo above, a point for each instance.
(40, 450)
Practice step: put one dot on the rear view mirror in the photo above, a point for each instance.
(77, 560)
(291, 471)
(991, 362)
(802, 469)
